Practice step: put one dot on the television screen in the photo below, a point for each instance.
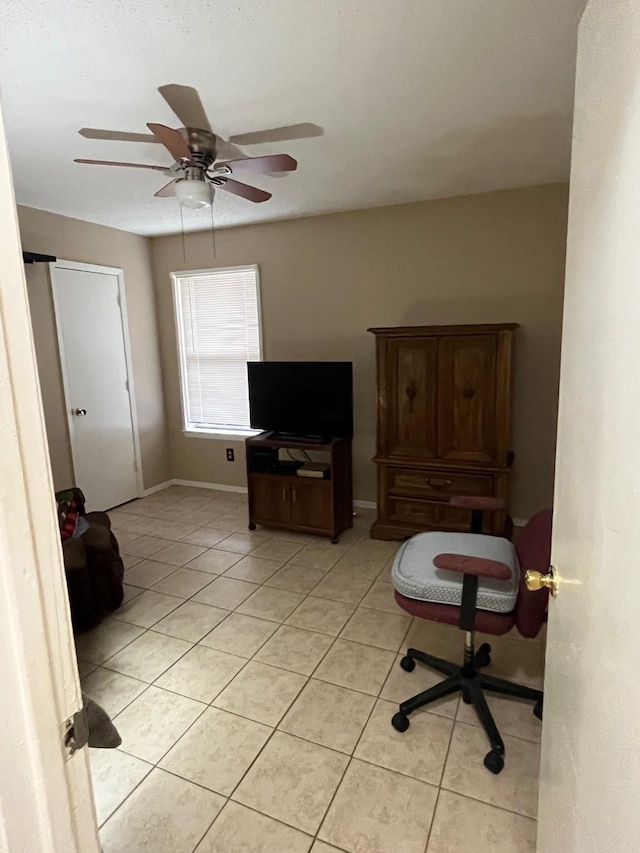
(302, 398)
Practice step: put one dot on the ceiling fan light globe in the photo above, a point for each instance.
(194, 194)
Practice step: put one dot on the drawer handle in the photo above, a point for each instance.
(437, 483)
(284, 495)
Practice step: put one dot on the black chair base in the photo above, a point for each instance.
(471, 682)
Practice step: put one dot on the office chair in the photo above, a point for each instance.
(476, 582)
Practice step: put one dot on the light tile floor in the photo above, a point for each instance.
(253, 677)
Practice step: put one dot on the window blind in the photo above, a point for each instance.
(218, 322)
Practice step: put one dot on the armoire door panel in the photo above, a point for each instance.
(412, 383)
(467, 398)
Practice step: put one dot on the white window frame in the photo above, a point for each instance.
(189, 430)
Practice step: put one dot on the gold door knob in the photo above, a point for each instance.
(536, 581)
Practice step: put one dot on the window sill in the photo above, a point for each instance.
(227, 435)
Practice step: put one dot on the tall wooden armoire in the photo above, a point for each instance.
(444, 425)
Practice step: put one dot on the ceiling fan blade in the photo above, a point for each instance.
(226, 150)
(186, 104)
(130, 165)
(172, 140)
(244, 190)
(167, 190)
(269, 163)
(116, 135)
(306, 130)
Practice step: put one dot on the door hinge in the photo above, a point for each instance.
(135, 465)
(75, 733)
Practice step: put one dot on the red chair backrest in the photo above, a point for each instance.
(534, 553)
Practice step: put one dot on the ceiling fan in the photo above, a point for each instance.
(196, 171)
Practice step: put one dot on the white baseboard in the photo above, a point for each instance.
(197, 484)
(159, 488)
(221, 487)
(242, 490)
(365, 504)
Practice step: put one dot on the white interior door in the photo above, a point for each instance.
(92, 333)
(590, 774)
(46, 802)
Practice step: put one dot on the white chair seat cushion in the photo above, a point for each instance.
(414, 575)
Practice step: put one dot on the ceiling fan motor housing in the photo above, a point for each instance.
(202, 144)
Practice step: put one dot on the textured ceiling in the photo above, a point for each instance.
(418, 98)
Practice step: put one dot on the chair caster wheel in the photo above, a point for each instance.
(466, 697)
(408, 664)
(537, 709)
(252, 526)
(334, 540)
(494, 762)
(483, 656)
(400, 722)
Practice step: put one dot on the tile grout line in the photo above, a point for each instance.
(251, 553)
(308, 677)
(490, 805)
(156, 764)
(355, 606)
(144, 630)
(199, 642)
(276, 729)
(351, 756)
(478, 725)
(210, 704)
(117, 808)
(442, 772)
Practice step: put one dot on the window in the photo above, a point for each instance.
(218, 327)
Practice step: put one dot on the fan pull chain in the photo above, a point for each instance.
(213, 230)
(184, 244)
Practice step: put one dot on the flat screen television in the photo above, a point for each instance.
(302, 398)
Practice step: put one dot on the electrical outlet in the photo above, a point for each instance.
(231, 457)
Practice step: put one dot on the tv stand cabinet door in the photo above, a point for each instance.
(270, 500)
(311, 504)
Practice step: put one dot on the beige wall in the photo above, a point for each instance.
(74, 240)
(491, 258)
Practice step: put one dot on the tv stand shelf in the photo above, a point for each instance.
(283, 500)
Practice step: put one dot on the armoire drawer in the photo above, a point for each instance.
(441, 486)
(428, 515)
(422, 513)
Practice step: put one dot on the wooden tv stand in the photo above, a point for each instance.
(280, 498)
